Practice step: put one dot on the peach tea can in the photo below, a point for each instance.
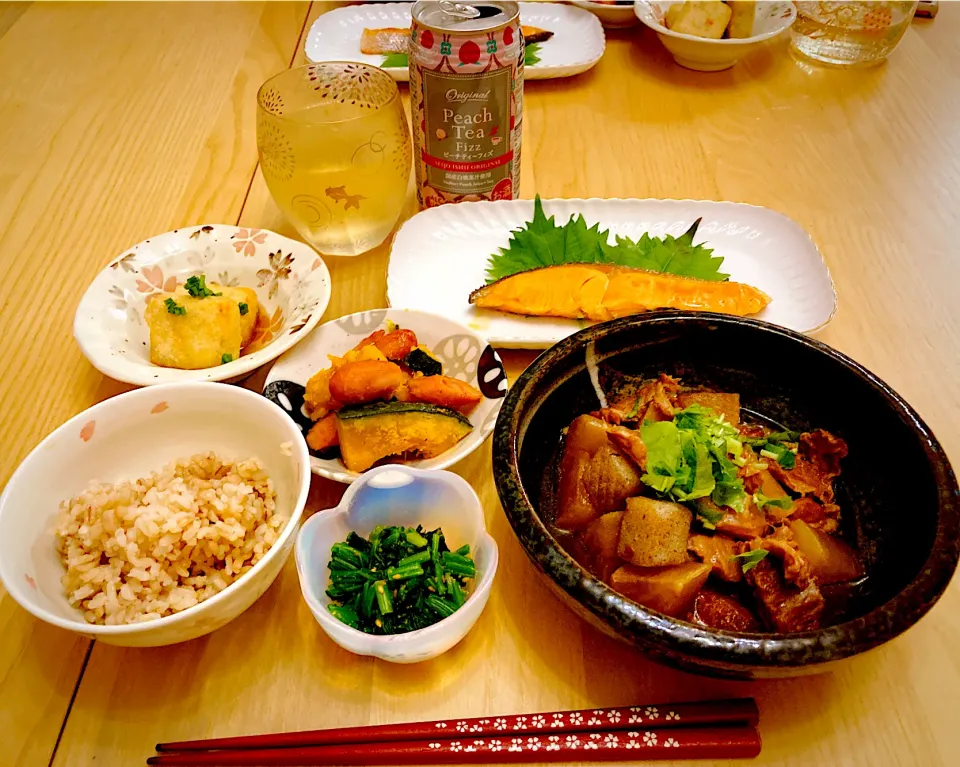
(466, 100)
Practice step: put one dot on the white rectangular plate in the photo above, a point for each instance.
(577, 43)
(440, 255)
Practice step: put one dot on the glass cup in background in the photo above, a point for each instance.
(850, 33)
(334, 148)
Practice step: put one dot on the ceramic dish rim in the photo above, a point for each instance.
(730, 42)
(483, 584)
(126, 629)
(125, 372)
(712, 647)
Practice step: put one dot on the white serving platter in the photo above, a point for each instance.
(577, 43)
(441, 254)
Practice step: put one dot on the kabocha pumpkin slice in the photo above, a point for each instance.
(370, 433)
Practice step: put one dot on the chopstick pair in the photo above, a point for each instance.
(712, 729)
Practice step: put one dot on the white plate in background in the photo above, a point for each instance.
(453, 244)
(577, 43)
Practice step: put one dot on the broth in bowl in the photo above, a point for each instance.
(673, 499)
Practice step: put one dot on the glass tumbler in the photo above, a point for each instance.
(334, 148)
(850, 33)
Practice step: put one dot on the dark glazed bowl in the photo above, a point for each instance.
(898, 493)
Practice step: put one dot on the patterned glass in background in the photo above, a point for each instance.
(850, 33)
(334, 148)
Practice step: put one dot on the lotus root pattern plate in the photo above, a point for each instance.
(577, 44)
(291, 281)
(453, 243)
(464, 354)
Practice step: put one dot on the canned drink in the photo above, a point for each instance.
(466, 99)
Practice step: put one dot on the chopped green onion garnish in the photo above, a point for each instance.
(226, 358)
(243, 308)
(173, 307)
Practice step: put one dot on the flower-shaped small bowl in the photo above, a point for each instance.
(464, 355)
(706, 55)
(291, 280)
(399, 495)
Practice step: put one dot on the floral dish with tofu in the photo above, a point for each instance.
(673, 499)
(202, 303)
(389, 386)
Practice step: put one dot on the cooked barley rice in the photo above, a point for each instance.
(138, 550)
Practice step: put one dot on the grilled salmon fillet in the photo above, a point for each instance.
(375, 42)
(384, 41)
(603, 292)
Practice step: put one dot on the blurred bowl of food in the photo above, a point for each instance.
(726, 494)
(156, 516)
(389, 385)
(434, 587)
(613, 14)
(201, 303)
(712, 36)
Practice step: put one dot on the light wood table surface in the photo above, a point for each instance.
(121, 121)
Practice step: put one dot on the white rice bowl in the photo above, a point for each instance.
(99, 464)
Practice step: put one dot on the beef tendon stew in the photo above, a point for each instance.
(673, 501)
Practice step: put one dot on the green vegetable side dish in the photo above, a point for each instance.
(531, 57)
(400, 579)
(541, 242)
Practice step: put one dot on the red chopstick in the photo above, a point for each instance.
(605, 746)
(742, 711)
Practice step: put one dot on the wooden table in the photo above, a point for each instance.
(121, 121)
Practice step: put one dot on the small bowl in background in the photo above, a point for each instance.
(704, 54)
(464, 354)
(612, 15)
(399, 495)
(291, 281)
(130, 436)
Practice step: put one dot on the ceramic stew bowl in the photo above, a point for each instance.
(464, 355)
(130, 436)
(291, 280)
(706, 55)
(903, 518)
(399, 495)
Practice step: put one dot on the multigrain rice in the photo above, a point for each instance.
(139, 550)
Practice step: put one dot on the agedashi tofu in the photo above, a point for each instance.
(707, 18)
(242, 296)
(741, 21)
(245, 298)
(192, 333)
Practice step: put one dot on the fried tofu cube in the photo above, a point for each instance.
(241, 295)
(202, 336)
(741, 20)
(248, 319)
(654, 533)
(703, 18)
